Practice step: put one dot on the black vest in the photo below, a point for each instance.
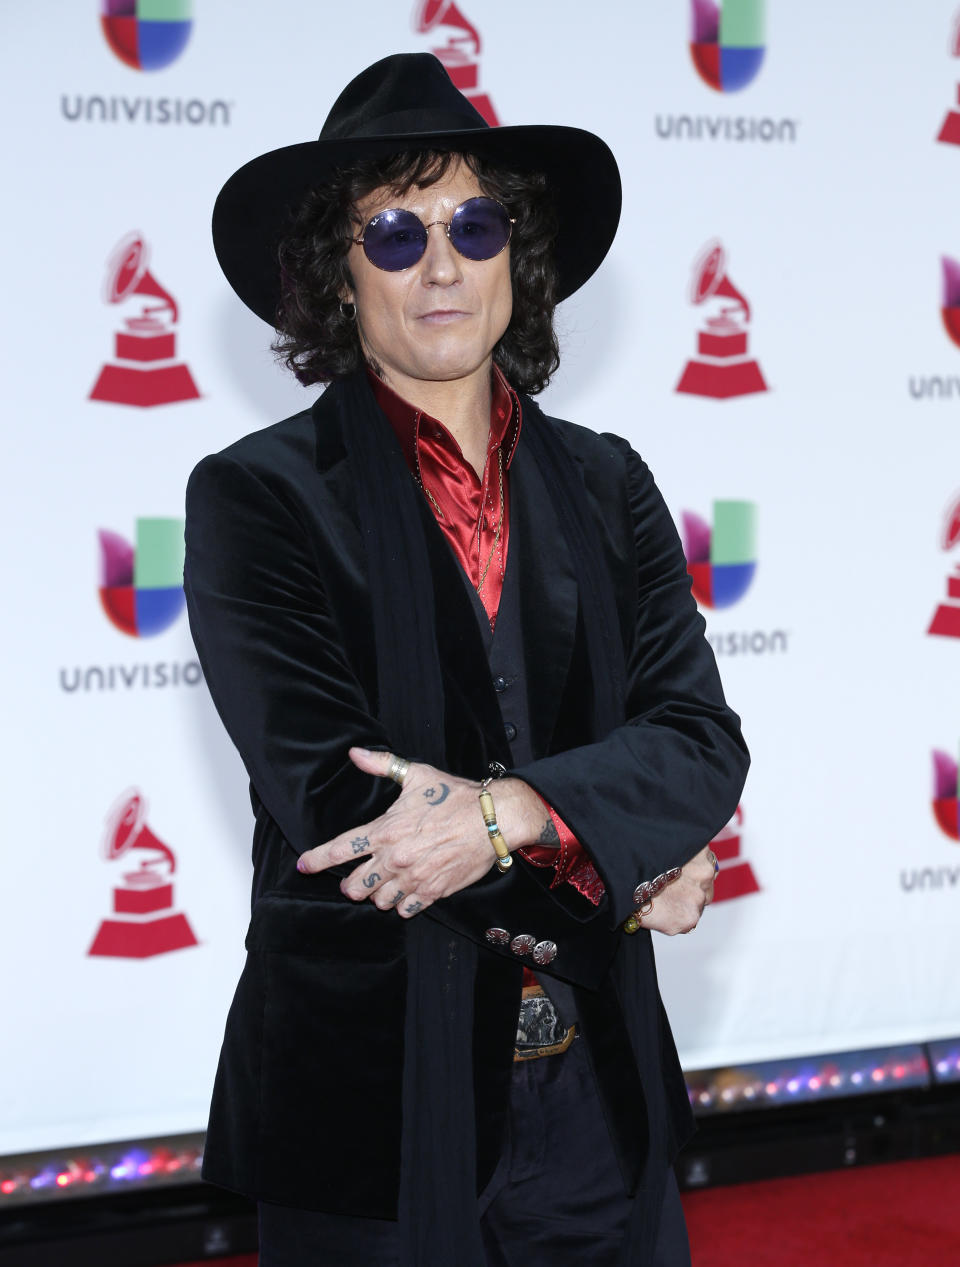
(504, 647)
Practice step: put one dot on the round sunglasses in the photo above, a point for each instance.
(396, 239)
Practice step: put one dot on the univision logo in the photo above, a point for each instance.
(943, 386)
(146, 34)
(945, 799)
(945, 811)
(141, 585)
(727, 47)
(721, 559)
(950, 307)
(727, 42)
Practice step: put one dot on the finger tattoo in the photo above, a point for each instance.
(360, 844)
(436, 795)
(398, 898)
(412, 907)
(370, 880)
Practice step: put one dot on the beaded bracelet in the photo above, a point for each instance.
(504, 860)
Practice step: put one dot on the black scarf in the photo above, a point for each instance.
(437, 1208)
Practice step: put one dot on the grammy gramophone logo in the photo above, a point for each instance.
(143, 922)
(946, 618)
(735, 877)
(950, 129)
(722, 367)
(459, 54)
(145, 370)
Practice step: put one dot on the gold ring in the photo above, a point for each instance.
(399, 767)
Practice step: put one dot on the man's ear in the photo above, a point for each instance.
(346, 292)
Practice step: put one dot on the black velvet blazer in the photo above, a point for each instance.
(306, 1108)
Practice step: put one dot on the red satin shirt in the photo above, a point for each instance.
(468, 510)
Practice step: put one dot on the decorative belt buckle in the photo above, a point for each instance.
(539, 1030)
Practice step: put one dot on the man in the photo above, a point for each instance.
(424, 581)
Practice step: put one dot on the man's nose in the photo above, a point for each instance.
(441, 262)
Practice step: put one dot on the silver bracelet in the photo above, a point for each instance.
(644, 894)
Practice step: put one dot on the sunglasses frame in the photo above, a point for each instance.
(361, 241)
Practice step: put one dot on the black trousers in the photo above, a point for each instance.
(555, 1200)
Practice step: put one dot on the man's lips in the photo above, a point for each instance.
(440, 316)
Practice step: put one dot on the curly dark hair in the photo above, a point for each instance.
(319, 344)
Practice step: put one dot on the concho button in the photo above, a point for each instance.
(545, 952)
(523, 945)
(497, 936)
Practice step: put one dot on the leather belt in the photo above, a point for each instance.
(540, 1031)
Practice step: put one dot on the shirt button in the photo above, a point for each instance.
(499, 684)
(510, 731)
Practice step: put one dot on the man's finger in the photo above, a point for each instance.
(372, 762)
(412, 905)
(388, 896)
(363, 883)
(353, 844)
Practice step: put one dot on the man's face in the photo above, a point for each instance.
(440, 319)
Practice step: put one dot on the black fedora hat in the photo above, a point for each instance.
(408, 101)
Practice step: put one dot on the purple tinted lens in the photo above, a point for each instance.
(394, 240)
(480, 228)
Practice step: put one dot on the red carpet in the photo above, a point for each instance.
(905, 1214)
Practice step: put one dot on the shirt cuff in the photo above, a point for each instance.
(569, 860)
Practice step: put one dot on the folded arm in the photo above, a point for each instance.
(653, 793)
(646, 798)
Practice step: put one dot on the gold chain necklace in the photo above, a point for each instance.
(496, 535)
(432, 500)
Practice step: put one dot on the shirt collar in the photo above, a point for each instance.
(408, 421)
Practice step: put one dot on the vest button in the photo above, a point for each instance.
(510, 731)
(499, 684)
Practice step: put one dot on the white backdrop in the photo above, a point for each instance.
(834, 204)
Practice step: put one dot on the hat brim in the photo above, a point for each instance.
(252, 212)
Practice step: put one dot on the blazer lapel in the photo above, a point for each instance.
(548, 595)
(548, 607)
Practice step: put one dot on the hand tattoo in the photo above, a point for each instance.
(549, 835)
(413, 907)
(360, 844)
(435, 796)
(398, 898)
(370, 880)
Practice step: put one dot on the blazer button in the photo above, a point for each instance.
(499, 684)
(523, 944)
(497, 936)
(510, 731)
(545, 952)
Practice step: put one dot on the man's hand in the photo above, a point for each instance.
(678, 907)
(431, 842)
